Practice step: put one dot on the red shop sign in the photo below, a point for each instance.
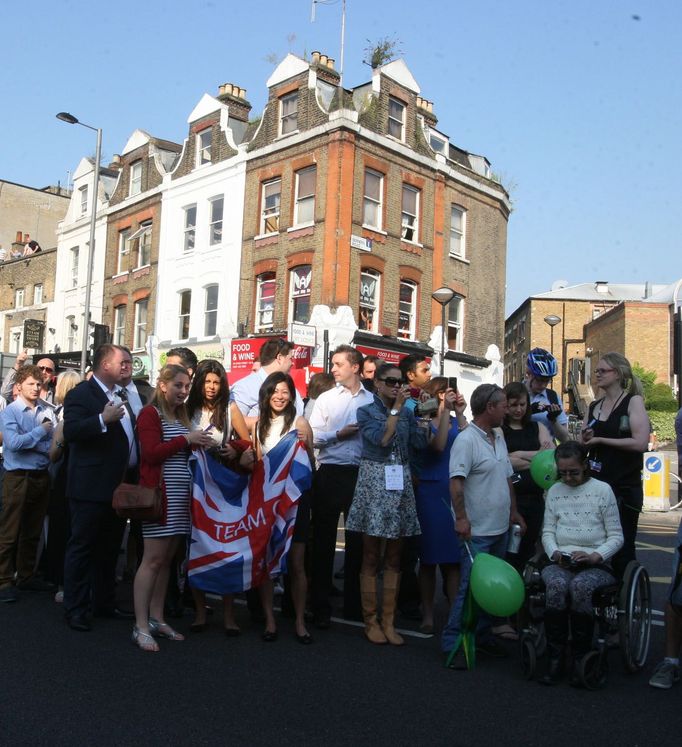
(245, 351)
(385, 356)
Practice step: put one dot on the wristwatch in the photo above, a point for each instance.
(394, 412)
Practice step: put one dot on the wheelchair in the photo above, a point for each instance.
(621, 609)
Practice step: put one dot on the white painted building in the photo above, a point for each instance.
(201, 236)
(65, 316)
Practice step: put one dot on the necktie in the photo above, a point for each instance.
(124, 397)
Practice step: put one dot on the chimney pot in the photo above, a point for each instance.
(27, 238)
(323, 60)
(330, 63)
(316, 58)
(18, 237)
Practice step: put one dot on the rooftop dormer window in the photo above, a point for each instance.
(135, 178)
(204, 140)
(396, 119)
(288, 113)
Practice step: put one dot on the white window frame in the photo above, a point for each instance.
(135, 185)
(71, 330)
(373, 307)
(409, 222)
(204, 141)
(395, 122)
(120, 313)
(123, 250)
(37, 293)
(371, 201)
(270, 214)
(190, 229)
(140, 324)
(442, 143)
(16, 342)
(184, 317)
(74, 258)
(263, 311)
(215, 225)
(211, 314)
(304, 273)
(454, 317)
(288, 120)
(19, 298)
(458, 236)
(305, 201)
(409, 332)
(143, 237)
(84, 198)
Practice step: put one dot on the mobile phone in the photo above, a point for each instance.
(566, 558)
(452, 383)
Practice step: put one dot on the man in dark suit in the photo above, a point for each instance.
(102, 454)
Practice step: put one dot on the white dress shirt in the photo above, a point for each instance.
(126, 422)
(333, 410)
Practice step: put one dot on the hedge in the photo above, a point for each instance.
(664, 425)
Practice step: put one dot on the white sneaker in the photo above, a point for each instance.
(59, 597)
(665, 675)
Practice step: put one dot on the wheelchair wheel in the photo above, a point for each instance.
(634, 616)
(593, 670)
(529, 659)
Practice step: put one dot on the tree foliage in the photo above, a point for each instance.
(382, 51)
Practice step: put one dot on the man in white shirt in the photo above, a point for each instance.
(275, 355)
(485, 505)
(337, 437)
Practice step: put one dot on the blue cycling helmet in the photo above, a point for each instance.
(541, 363)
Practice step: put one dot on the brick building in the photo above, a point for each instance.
(594, 318)
(132, 242)
(355, 201)
(34, 212)
(27, 289)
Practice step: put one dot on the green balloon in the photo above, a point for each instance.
(496, 585)
(543, 469)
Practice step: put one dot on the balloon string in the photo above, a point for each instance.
(471, 557)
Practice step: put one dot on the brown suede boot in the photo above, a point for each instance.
(390, 597)
(368, 590)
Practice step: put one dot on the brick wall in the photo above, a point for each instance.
(26, 273)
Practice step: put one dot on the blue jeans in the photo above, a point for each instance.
(495, 545)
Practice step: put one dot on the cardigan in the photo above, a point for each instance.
(153, 449)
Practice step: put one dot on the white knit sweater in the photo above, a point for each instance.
(583, 518)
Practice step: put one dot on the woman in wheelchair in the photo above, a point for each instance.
(581, 532)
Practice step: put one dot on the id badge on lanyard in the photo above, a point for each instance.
(393, 475)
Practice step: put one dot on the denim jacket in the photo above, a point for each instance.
(372, 422)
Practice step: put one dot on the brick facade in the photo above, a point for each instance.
(26, 273)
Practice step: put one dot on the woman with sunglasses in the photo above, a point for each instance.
(211, 411)
(616, 432)
(383, 506)
(580, 534)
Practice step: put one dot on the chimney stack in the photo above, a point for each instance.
(235, 98)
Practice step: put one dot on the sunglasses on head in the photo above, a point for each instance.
(391, 381)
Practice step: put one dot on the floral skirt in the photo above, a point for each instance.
(379, 512)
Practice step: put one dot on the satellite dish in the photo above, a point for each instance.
(559, 284)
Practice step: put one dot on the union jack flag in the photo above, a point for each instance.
(242, 526)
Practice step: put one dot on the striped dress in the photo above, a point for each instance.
(177, 480)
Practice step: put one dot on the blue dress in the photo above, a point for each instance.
(438, 541)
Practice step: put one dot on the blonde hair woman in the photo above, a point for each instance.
(165, 441)
(616, 432)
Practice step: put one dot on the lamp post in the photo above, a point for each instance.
(552, 320)
(443, 296)
(70, 119)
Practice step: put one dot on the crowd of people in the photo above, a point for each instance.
(419, 487)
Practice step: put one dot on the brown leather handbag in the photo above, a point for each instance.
(137, 502)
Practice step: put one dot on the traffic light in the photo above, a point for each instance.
(99, 336)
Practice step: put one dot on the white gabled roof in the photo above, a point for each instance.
(400, 73)
(207, 105)
(137, 139)
(289, 67)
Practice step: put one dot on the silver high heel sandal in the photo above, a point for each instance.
(164, 630)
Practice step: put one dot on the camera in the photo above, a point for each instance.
(426, 408)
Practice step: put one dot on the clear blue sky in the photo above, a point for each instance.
(577, 104)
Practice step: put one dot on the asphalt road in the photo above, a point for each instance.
(59, 687)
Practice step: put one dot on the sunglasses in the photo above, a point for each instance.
(391, 381)
(493, 392)
(46, 368)
(601, 371)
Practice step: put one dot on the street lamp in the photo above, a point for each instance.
(443, 296)
(70, 119)
(552, 320)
